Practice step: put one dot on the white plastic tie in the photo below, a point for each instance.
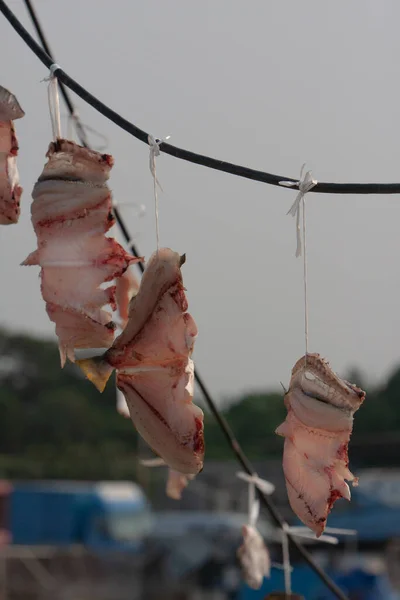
(154, 145)
(254, 481)
(54, 101)
(153, 462)
(264, 486)
(306, 533)
(305, 184)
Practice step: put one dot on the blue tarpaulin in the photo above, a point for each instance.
(357, 584)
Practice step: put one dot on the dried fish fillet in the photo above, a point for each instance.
(10, 190)
(154, 368)
(127, 286)
(254, 557)
(71, 213)
(317, 431)
(176, 483)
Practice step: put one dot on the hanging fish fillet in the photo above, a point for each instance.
(176, 481)
(127, 286)
(317, 431)
(154, 368)
(254, 557)
(10, 190)
(71, 212)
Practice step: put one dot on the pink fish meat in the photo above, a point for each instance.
(254, 557)
(154, 368)
(71, 213)
(317, 431)
(127, 286)
(10, 190)
(176, 483)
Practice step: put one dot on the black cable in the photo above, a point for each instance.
(206, 161)
(232, 441)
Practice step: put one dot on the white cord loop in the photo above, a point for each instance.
(305, 185)
(154, 144)
(54, 102)
(253, 503)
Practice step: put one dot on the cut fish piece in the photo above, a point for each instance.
(10, 190)
(71, 213)
(317, 431)
(127, 286)
(176, 482)
(254, 558)
(154, 368)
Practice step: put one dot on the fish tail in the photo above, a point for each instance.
(97, 370)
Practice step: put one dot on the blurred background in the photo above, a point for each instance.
(265, 84)
(82, 518)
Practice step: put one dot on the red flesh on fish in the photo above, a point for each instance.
(317, 431)
(71, 213)
(10, 190)
(154, 368)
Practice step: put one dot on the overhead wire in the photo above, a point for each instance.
(193, 157)
(46, 57)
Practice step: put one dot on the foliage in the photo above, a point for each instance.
(54, 423)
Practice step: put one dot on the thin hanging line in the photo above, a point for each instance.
(286, 563)
(305, 278)
(54, 102)
(156, 213)
(305, 185)
(154, 145)
(181, 153)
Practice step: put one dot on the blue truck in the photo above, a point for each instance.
(100, 515)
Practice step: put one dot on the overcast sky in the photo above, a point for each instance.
(269, 85)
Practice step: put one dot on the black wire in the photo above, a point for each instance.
(206, 161)
(232, 441)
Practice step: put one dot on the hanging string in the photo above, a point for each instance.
(305, 184)
(154, 144)
(305, 279)
(287, 569)
(54, 102)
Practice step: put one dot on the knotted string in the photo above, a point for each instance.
(305, 184)
(54, 101)
(154, 144)
(253, 503)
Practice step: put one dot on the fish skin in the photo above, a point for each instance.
(317, 431)
(154, 368)
(10, 108)
(71, 213)
(254, 558)
(10, 190)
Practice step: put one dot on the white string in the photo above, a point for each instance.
(305, 184)
(54, 102)
(264, 486)
(154, 144)
(253, 503)
(305, 279)
(287, 569)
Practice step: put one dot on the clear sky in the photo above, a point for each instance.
(269, 85)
